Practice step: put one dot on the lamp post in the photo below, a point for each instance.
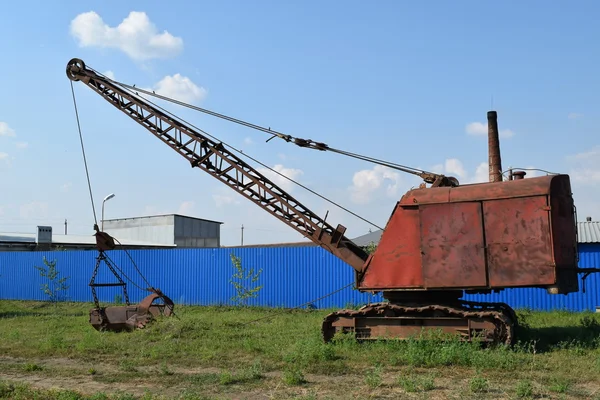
(110, 196)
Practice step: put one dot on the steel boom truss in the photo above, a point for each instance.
(218, 161)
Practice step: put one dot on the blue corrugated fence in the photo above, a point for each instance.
(291, 276)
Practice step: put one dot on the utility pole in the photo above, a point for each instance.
(242, 234)
(65, 226)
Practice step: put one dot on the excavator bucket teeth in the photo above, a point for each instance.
(131, 317)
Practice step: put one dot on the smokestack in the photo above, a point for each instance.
(495, 160)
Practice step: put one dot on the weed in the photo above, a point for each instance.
(127, 366)
(226, 378)
(373, 377)
(560, 385)
(478, 384)
(524, 389)
(164, 369)
(31, 367)
(293, 376)
(415, 383)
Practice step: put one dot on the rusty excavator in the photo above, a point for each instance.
(439, 243)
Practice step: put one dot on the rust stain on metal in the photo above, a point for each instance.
(130, 317)
(452, 245)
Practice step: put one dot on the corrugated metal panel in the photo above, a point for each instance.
(588, 232)
(291, 277)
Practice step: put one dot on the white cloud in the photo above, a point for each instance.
(248, 141)
(186, 208)
(110, 75)
(575, 115)
(279, 180)
(6, 130)
(180, 88)
(282, 156)
(482, 173)
(454, 167)
(367, 182)
(480, 129)
(21, 145)
(65, 187)
(531, 172)
(34, 210)
(506, 133)
(476, 128)
(136, 36)
(224, 200)
(586, 166)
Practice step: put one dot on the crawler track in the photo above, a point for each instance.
(490, 322)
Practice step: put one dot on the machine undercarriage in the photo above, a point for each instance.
(493, 323)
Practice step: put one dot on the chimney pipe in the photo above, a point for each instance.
(588, 219)
(519, 175)
(495, 160)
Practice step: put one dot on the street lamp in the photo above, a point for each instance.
(110, 196)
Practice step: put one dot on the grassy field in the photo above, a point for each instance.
(221, 352)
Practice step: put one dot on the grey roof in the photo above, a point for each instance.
(162, 215)
(588, 232)
(365, 240)
(30, 238)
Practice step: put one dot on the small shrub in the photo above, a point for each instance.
(30, 367)
(560, 385)
(373, 377)
(416, 383)
(478, 384)
(524, 389)
(293, 376)
(244, 282)
(57, 285)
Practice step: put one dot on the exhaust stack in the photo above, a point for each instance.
(495, 161)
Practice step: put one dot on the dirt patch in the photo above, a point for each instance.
(78, 375)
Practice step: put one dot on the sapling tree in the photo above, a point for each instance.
(56, 285)
(244, 281)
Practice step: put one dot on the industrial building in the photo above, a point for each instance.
(170, 229)
(44, 239)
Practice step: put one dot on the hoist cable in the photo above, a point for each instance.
(134, 264)
(245, 155)
(92, 200)
(274, 133)
(83, 152)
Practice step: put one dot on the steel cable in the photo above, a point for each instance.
(83, 151)
(240, 152)
(270, 131)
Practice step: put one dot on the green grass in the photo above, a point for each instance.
(221, 352)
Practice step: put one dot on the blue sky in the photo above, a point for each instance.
(407, 82)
